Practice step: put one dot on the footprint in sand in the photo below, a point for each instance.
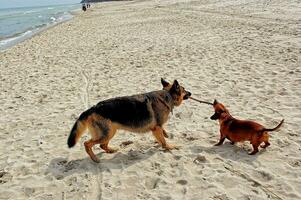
(152, 183)
(221, 197)
(295, 163)
(5, 177)
(265, 176)
(61, 166)
(29, 191)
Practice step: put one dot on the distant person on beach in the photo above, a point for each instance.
(84, 7)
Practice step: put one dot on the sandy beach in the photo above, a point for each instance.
(246, 54)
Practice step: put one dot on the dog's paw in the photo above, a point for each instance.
(126, 143)
(253, 152)
(265, 145)
(171, 147)
(111, 150)
(95, 159)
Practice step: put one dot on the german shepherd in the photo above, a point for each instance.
(240, 130)
(138, 113)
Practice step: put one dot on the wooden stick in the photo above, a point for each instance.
(201, 101)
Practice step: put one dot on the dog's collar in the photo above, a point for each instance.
(229, 120)
(164, 103)
(169, 99)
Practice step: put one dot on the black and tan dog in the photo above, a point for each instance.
(138, 113)
(237, 130)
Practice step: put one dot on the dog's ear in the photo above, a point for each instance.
(175, 88)
(176, 84)
(164, 83)
(215, 102)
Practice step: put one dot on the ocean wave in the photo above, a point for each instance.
(30, 12)
(53, 19)
(20, 26)
(7, 42)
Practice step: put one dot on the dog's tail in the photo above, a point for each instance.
(274, 129)
(78, 128)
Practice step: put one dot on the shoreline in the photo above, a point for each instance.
(9, 42)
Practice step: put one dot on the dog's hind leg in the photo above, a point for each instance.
(158, 133)
(105, 144)
(88, 146)
(265, 140)
(108, 149)
(107, 132)
(231, 142)
(102, 131)
(266, 144)
(255, 148)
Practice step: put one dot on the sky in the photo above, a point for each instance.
(29, 3)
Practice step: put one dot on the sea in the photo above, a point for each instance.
(18, 24)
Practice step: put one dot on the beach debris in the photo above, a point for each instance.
(182, 182)
(126, 143)
(40, 141)
(199, 159)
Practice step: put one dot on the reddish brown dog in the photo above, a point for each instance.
(237, 130)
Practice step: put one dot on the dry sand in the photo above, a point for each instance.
(244, 53)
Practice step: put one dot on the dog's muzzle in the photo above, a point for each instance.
(187, 95)
(214, 116)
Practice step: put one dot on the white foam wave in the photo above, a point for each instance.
(29, 12)
(43, 20)
(14, 40)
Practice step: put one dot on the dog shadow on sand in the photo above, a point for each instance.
(60, 167)
(228, 152)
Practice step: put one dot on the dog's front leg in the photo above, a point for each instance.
(159, 135)
(221, 140)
